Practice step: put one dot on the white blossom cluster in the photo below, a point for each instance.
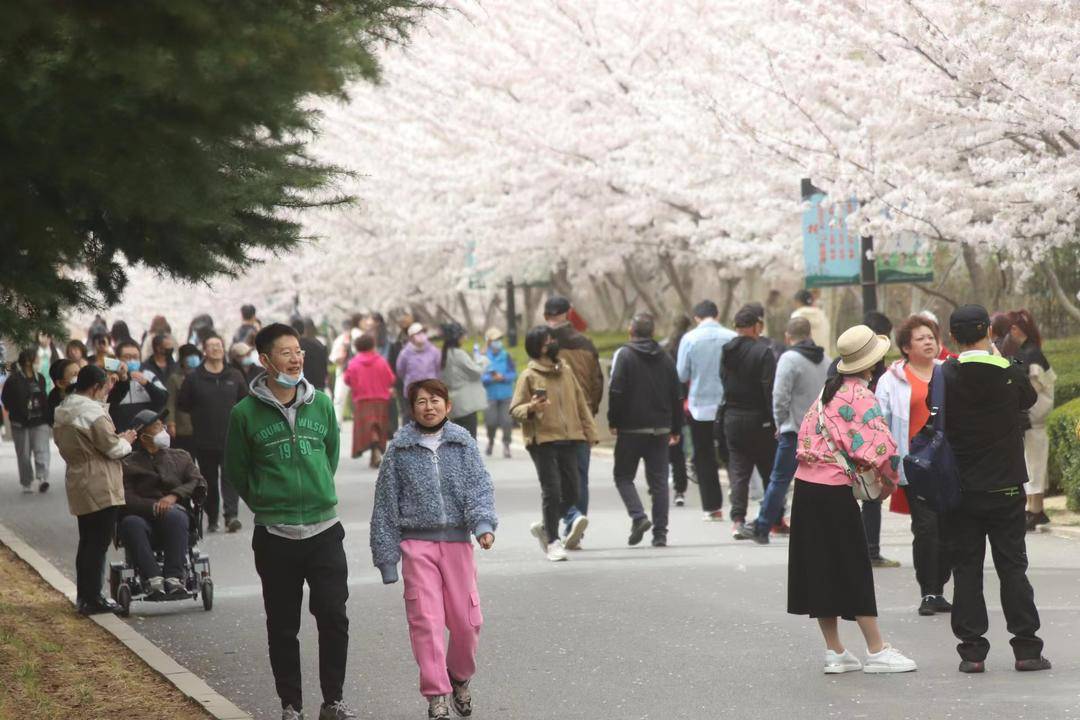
(512, 134)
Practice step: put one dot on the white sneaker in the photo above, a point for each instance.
(889, 660)
(837, 663)
(577, 532)
(27, 490)
(157, 585)
(538, 532)
(556, 552)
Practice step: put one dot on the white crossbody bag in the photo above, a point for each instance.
(865, 485)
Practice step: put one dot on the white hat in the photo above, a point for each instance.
(414, 329)
(860, 349)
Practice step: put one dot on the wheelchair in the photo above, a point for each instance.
(127, 586)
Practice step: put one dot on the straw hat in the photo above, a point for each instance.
(493, 334)
(414, 329)
(860, 349)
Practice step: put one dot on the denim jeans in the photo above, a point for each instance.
(772, 505)
(581, 507)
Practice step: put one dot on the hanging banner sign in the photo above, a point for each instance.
(904, 258)
(831, 252)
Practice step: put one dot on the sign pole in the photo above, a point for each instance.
(511, 315)
(869, 276)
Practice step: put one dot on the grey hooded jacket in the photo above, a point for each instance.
(424, 495)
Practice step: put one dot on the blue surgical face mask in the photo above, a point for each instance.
(497, 346)
(193, 361)
(286, 380)
(134, 365)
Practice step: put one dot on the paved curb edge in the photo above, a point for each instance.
(183, 679)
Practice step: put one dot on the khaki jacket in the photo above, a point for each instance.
(567, 417)
(580, 354)
(87, 440)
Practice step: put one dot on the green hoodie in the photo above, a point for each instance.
(282, 460)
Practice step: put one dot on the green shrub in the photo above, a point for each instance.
(1064, 357)
(1064, 469)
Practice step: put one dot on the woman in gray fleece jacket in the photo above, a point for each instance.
(433, 494)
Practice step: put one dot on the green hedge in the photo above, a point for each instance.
(1064, 469)
(1064, 357)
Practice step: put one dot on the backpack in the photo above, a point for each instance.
(930, 466)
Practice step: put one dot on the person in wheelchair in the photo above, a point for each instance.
(159, 485)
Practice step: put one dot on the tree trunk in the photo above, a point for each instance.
(466, 312)
(560, 281)
(681, 290)
(1068, 304)
(493, 307)
(532, 304)
(603, 297)
(728, 300)
(422, 314)
(627, 306)
(443, 315)
(977, 273)
(642, 291)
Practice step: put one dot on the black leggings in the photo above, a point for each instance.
(95, 534)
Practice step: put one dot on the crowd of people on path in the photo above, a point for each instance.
(147, 428)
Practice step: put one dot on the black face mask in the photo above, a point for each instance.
(434, 429)
(552, 351)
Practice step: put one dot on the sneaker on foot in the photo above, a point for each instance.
(884, 562)
(212, 527)
(337, 711)
(972, 666)
(556, 552)
(506, 452)
(737, 528)
(638, 528)
(1040, 517)
(490, 449)
(1032, 664)
(888, 660)
(157, 585)
(1030, 521)
(461, 700)
(538, 532)
(27, 490)
(782, 527)
(838, 663)
(926, 607)
(287, 713)
(233, 525)
(714, 516)
(941, 605)
(659, 541)
(438, 708)
(576, 532)
(680, 499)
(175, 586)
(43, 486)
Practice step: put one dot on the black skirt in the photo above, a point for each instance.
(829, 572)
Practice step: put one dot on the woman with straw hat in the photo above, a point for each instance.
(843, 436)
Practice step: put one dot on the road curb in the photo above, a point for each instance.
(1069, 532)
(183, 679)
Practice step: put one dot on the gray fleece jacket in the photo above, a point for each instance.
(446, 495)
(800, 376)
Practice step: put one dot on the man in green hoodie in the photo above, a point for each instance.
(281, 454)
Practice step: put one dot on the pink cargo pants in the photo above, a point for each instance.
(440, 595)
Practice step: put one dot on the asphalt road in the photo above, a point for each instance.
(696, 630)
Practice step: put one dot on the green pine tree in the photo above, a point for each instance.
(167, 133)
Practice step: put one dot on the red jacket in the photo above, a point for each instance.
(369, 377)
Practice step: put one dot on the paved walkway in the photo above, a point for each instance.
(694, 631)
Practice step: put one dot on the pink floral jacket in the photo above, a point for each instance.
(858, 430)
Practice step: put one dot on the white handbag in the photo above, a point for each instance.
(865, 485)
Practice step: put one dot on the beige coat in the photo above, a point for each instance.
(567, 417)
(88, 442)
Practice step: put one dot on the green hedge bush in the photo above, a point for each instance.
(1064, 357)
(1064, 469)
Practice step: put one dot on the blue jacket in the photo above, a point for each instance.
(503, 364)
(424, 495)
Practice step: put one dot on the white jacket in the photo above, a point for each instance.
(894, 397)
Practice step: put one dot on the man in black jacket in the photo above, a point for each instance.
(645, 413)
(136, 390)
(316, 357)
(984, 397)
(208, 395)
(748, 370)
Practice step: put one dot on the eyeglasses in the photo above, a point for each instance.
(289, 355)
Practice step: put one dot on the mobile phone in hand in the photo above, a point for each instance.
(540, 393)
(112, 365)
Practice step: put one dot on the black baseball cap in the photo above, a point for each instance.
(970, 316)
(146, 418)
(556, 305)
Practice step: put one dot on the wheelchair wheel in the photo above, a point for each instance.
(123, 599)
(208, 594)
(114, 582)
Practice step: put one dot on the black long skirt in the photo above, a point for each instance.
(829, 572)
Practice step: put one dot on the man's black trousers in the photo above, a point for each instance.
(284, 566)
(998, 516)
